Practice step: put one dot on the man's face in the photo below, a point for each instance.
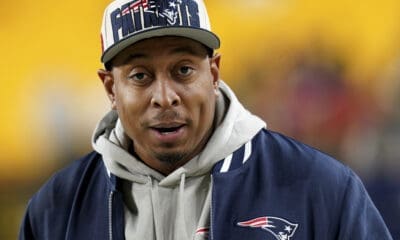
(164, 90)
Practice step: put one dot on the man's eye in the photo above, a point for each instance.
(138, 76)
(185, 70)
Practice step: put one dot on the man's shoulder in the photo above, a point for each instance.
(68, 194)
(63, 184)
(76, 170)
(291, 160)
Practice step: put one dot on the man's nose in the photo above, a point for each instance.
(165, 94)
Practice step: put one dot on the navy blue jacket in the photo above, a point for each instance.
(272, 188)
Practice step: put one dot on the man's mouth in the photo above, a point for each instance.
(167, 130)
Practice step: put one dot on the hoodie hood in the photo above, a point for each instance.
(234, 127)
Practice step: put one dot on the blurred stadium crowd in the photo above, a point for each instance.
(324, 72)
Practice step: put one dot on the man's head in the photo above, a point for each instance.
(164, 88)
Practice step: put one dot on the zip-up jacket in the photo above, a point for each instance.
(271, 188)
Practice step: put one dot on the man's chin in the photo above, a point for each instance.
(171, 157)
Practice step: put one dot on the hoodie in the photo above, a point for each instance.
(176, 206)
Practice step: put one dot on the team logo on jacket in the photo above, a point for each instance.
(203, 231)
(280, 228)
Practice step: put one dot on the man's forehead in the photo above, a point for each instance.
(156, 47)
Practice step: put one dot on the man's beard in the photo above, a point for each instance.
(170, 158)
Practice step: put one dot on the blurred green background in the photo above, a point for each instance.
(324, 72)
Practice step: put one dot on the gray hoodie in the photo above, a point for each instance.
(177, 206)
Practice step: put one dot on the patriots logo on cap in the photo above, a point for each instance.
(280, 228)
(168, 10)
(140, 15)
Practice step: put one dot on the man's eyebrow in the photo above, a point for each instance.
(134, 56)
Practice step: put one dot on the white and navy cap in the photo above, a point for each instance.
(128, 21)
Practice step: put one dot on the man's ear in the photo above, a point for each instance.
(215, 60)
(107, 79)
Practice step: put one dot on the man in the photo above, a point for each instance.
(179, 158)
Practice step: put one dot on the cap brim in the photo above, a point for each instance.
(203, 36)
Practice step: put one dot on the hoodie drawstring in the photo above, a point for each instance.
(154, 197)
(180, 226)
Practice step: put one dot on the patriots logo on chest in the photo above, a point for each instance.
(280, 228)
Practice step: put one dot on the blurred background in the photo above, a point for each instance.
(324, 72)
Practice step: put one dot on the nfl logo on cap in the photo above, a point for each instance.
(126, 22)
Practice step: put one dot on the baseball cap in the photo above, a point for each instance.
(126, 22)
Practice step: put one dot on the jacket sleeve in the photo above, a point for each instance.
(360, 220)
(26, 231)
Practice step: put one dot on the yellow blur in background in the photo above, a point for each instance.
(280, 56)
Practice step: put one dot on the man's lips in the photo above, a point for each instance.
(167, 128)
(168, 133)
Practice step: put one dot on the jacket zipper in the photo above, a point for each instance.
(110, 228)
(211, 232)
